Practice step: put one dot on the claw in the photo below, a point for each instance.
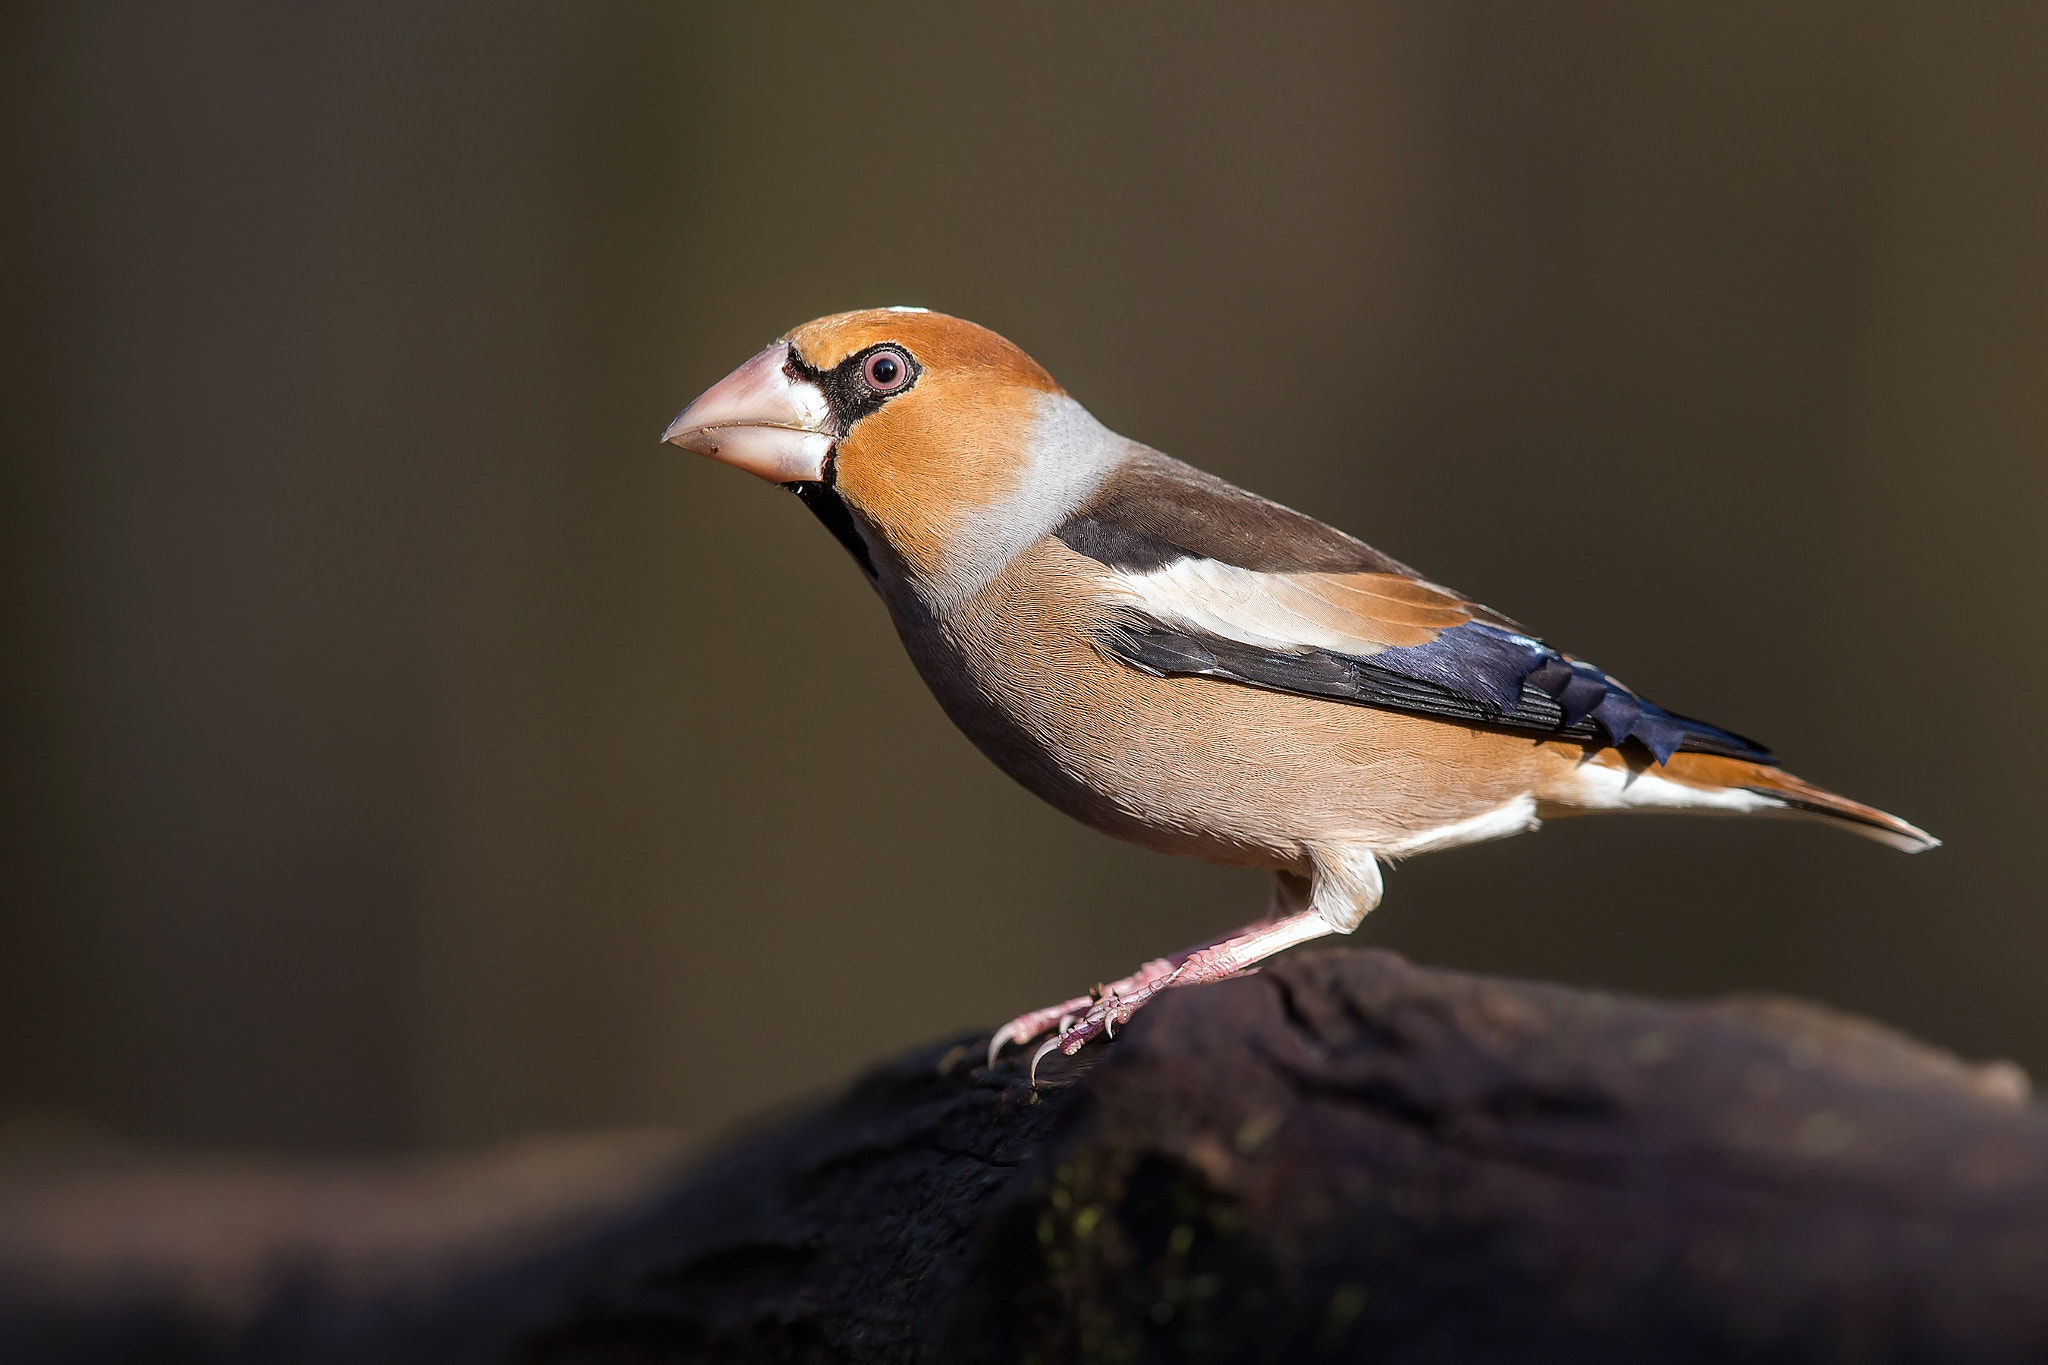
(1106, 1006)
(1047, 1046)
(1025, 1027)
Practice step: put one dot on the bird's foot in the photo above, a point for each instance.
(1103, 1010)
(1069, 1014)
(1122, 999)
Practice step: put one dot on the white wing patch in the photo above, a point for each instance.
(1290, 612)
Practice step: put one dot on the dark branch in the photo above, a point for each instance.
(1343, 1158)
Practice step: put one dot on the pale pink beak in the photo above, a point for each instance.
(762, 418)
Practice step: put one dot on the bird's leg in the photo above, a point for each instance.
(1064, 1015)
(1100, 1012)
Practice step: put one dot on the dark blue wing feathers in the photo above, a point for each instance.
(1497, 668)
(1482, 662)
(1475, 673)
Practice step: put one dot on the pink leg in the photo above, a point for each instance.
(1103, 1009)
(1025, 1027)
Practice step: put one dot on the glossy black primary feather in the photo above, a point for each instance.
(1618, 716)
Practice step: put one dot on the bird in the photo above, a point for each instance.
(1183, 664)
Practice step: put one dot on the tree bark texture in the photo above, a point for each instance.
(1342, 1158)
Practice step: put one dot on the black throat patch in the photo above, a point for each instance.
(826, 504)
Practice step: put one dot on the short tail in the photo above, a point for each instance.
(1798, 798)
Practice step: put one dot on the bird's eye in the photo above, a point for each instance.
(886, 370)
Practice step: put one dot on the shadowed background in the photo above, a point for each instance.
(402, 748)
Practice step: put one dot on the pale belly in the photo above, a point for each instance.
(1205, 768)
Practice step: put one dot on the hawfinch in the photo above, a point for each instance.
(1186, 665)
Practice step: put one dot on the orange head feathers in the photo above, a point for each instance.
(917, 437)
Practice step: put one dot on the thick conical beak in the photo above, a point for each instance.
(763, 418)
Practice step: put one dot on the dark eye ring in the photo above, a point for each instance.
(886, 371)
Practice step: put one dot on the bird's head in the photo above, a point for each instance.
(915, 436)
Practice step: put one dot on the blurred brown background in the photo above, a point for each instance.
(402, 748)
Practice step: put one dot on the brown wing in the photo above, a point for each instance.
(1155, 510)
(1218, 582)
